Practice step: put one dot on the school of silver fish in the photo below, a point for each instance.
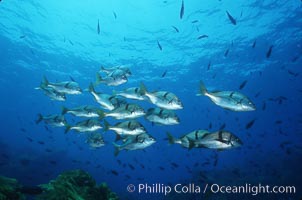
(130, 133)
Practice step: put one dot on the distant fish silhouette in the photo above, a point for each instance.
(269, 51)
(226, 52)
(70, 42)
(176, 29)
(250, 124)
(242, 84)
(202, 36)
(182, 9)
(98, 28)
(164, 74)
(293, 73)
(209, 66)
(114, 14)
(254, 44)
(231, 18)
(22, 36)
(159, 46)
(195, 21)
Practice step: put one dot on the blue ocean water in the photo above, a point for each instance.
(60, 40)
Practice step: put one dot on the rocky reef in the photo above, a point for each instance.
(70, 185)
(76, 185)
(9, 189)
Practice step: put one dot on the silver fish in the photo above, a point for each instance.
(82, 111)
(118, 69)
(111, 80)
(52, 93)
(131, 93)
(162, 116)
(95, 140)
(66, 87)
(53, 120)
(230, 100)
(134, 143)
(219, 140)
(89, 125)
(105, 100)
(130, 127)
(126, 111)
(163, 99)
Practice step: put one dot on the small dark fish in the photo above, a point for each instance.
(114, 172)
(296, 57)
(70, 42)
(176, 29)
(159, 46)
(72, 79)
(23, 130)
(242, 85)
(119, 162)
(114, 14)
(174, 165)
(250, 124)
(53, 162)
(131, 166)
(226, 52)
(164, 74)
(269, 51)
(182, 10)
(210, 125)
(257, 94)
(142, 166)
(48, 150)
(222, 126)
(29, 139)
(22, 36)
(263, 106)
(161, 168)
(278, 122)
(231, 18)
(98, 27)
(241, 13)
(209, 66)
(293, 73)
(195, 21)
(254, 44)
(41, 142)
(202, 36)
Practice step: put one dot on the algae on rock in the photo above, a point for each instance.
(8, 189)
(75, 185)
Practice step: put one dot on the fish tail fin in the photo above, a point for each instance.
(117, 149)
(170, 138)
(64, 110)
(45, 81)
(101, 114)
(68, 127)
(106, 125)
(99, 79)
(91, 88)
(40, 118)
(202, 88)
(143, 89)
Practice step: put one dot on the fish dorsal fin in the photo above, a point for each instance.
(231, 95)
(127, 106)
(165, 95)
(161, 112)
(129, 124)
(196, 135)
(136, 90)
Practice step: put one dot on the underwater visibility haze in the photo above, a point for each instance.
(163, 99)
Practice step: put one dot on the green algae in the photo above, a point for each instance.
(8, 189)
(75, 185)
